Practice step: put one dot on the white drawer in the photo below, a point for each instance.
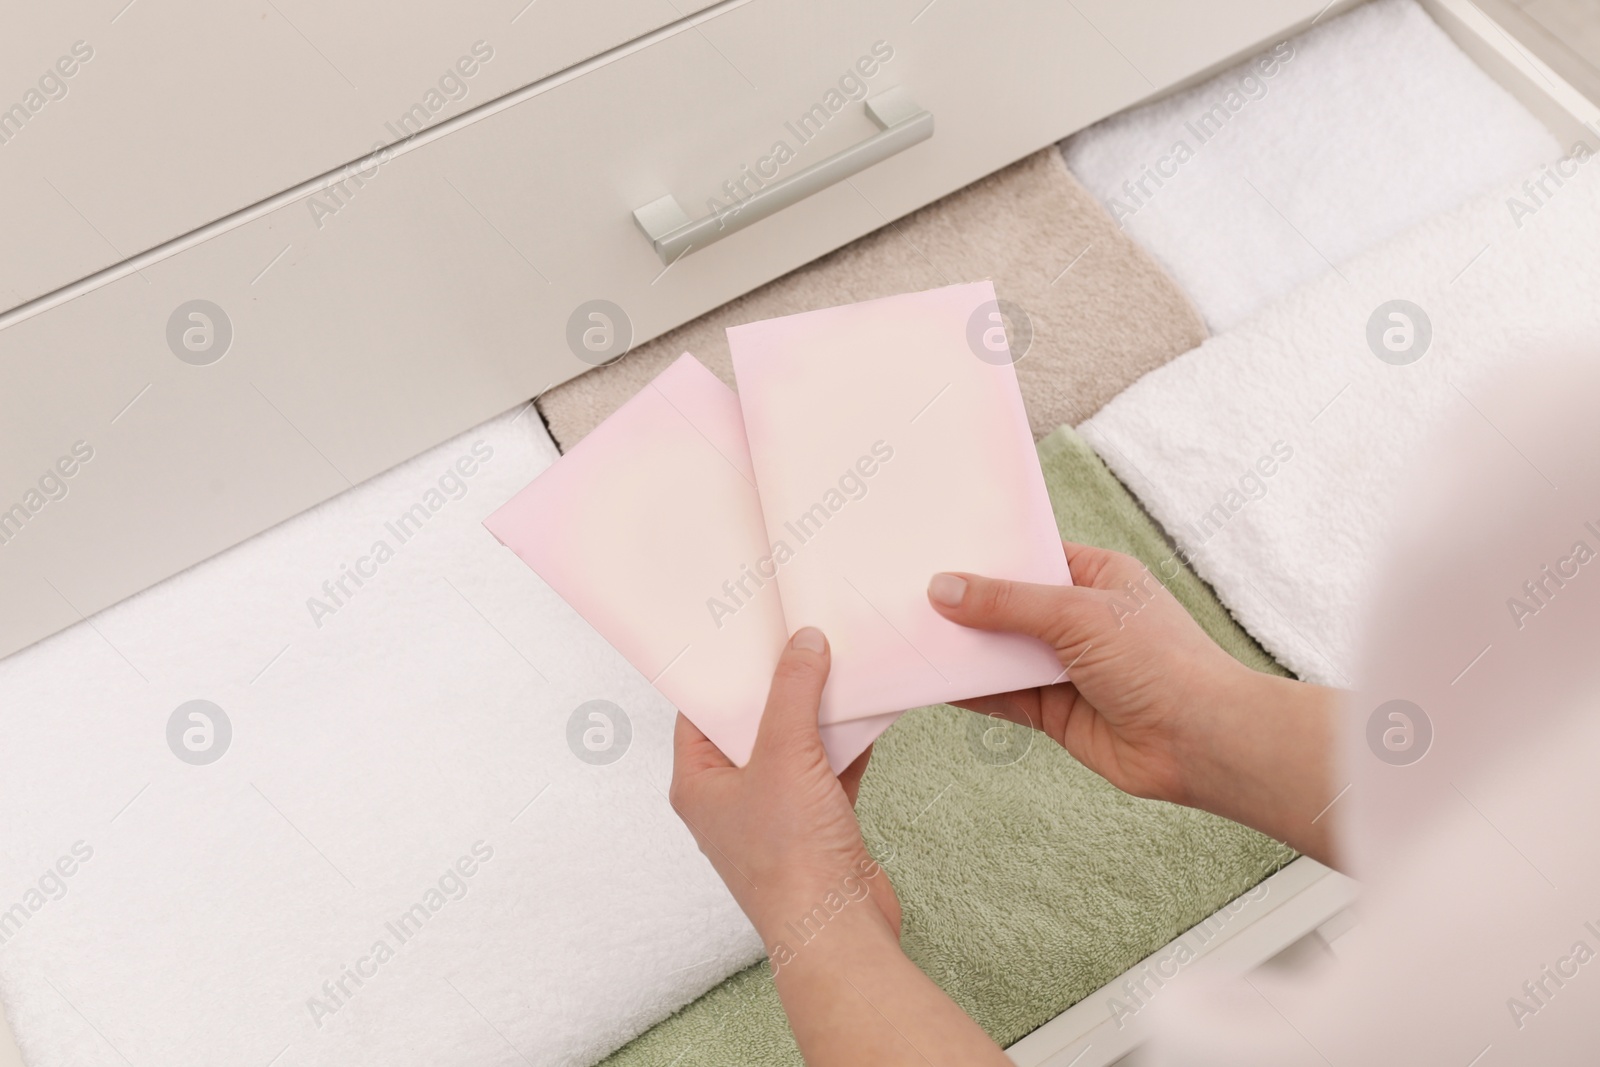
(188, 110)
(441, 290)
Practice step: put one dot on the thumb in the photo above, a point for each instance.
(1059, 615)
(789, 722)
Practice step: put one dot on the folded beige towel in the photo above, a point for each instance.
(1103, 313)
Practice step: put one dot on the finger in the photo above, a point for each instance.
(850, 777)
(1061, 615)
(693, 751)
(789, 721)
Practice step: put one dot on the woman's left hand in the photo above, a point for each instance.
(782, 830)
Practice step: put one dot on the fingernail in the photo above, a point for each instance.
(808, 639)
(947, 589)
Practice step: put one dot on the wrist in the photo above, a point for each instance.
(815, 932)
(1261, 754)
(797, 909)
(1203, 743)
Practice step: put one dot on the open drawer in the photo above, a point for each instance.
(435, 306)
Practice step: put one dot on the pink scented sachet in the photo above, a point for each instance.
(644, 520)
(890, 442)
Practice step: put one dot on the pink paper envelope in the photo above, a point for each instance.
(644, 522)
(890, 442)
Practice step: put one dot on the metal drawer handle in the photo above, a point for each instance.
(674, 234)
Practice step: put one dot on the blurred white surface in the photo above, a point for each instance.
(9, 1056)
(1472, 809)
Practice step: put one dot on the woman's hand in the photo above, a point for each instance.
(1138, 663)
(1154, 706)
(782, 831)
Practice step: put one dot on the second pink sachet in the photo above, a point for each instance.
(889, 442)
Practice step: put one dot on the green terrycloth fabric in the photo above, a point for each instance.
(1026, 885)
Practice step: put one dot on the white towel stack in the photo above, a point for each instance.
(399, 858)
(1273, 454)
(1269, 174)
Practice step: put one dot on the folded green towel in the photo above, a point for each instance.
(1027, 881)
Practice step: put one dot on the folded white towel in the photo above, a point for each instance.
(1272, 454)
(1268, 174)
(399, 775)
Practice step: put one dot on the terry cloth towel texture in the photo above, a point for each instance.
(1289, 544)
(1102, 312)
(404, 771)
(1273, 172)
(1026, 886)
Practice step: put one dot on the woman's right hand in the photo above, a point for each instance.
(1153, 705)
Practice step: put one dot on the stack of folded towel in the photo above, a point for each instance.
(1312, 152)
(1273, 453)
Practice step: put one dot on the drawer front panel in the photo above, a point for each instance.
(373, 320)
(178, 112)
